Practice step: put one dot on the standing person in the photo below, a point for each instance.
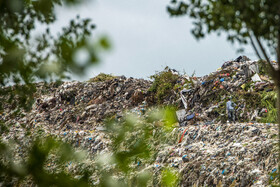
(230, 110)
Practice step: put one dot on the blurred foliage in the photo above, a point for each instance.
(239, 20)
(135, 143)
(163, 84)
(102, 77)
(169, 177)
(26, 58)
(34, 169)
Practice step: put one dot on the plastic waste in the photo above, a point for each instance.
(256, 78)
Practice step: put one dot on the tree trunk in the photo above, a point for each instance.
(278, 120)
(277, 83)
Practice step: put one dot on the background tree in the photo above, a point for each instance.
(25, 59)
(255, 22)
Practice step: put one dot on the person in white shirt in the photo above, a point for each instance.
(230, 110)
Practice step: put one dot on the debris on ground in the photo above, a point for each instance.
(207, 151)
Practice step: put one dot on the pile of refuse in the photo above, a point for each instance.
(81, 104)
(74, 112)
(204, 98)
(208, 150)
(240, 153)
(197, 98)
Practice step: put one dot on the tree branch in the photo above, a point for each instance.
(263, 50)
(272, 69)
(254, 46)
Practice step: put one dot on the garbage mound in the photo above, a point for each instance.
(81, 104)
(240, 153)
(197, 98)
(204, 98)
(208, 151)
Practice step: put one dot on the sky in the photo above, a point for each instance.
(145, 39)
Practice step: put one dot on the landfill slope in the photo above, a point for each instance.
(208, 150)
(243, 153)
(244, 81)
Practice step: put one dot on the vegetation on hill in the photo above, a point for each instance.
(102, 77)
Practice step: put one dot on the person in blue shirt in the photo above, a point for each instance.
(230, 110)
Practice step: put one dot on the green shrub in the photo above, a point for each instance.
(102, 77)
(163, 84)
(268, 100)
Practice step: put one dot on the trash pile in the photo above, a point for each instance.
(208, 150)
(82, 104)
(211, 153)
(204, 98)
(73, 112)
